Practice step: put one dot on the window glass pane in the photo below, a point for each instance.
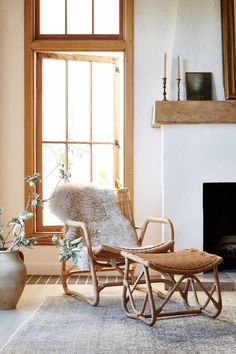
(52, 16)
(79, 163)
(53, 99)
(79, 16)
(79, 101)
(53, 156)
(103, 165)
(106, 16)
(103, 102)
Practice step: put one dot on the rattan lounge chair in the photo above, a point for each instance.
(107, 257)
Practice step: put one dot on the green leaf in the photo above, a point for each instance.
(69, 248)
(119, 184)
(16, 228)
(25, 215)
(21, 240)
(15, 221)
(33, 180)
(64, 174)
(36, 201)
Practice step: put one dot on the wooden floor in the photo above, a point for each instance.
(34, 295)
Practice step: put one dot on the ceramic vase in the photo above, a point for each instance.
(12, 278)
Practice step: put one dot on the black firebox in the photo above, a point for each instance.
(219, 221)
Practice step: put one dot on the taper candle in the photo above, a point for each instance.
(178, 66)
(165, 58)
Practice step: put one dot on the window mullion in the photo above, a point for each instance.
(39, 137)
(116, 97)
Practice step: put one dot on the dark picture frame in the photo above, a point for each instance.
(198, 86)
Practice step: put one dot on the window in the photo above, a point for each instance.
(78, 121)
(78, 94)
(78, 18)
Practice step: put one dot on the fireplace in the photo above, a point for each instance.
(219, 221)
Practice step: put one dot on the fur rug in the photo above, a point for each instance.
(96, 207)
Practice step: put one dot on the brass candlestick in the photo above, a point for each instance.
(178, 89)
(164, 88)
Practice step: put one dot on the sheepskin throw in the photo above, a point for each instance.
(98, 209)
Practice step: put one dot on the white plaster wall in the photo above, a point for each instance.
(198, 43)
(170, 26)
(155, 22)
(194, 154)
(192, 30)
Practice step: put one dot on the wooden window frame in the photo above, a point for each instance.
(91, 36)
(32, 45)
(66, 141)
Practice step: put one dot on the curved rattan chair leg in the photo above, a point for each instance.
(64, 278)
(94, 300)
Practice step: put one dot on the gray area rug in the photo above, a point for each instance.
(66, 325)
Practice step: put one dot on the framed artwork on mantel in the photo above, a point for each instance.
(198, 86)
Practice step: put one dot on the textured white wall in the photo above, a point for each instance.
(192, 30)
(187, 27)
(194, 154)
(155, 22)
(198, 42)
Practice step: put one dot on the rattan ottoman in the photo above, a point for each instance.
(179, 273)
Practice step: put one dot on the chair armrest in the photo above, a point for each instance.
(159, 221)
(87, 236)
(138, 227)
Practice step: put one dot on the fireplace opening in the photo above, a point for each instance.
(219, 221)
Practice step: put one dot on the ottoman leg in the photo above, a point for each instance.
(215, 301)
(128, 298)
(213, 296)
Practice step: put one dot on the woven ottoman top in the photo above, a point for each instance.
(189, 261)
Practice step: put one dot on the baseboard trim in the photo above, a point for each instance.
(43, 269)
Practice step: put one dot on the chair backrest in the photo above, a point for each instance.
(107, 213)
(124, 203)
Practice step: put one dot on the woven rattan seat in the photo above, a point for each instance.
(107, 251)
(189, 261)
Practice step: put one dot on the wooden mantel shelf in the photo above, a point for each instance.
(193, 112)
